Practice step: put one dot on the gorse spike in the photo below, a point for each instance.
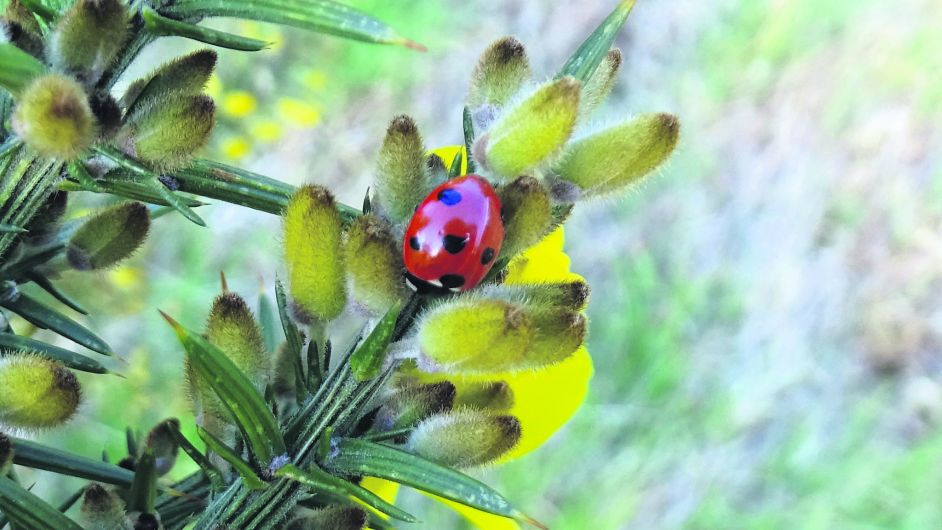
(36, 393)
(312, 242)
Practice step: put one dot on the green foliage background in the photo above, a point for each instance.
(765, 318)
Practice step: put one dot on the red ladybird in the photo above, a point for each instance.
(454, 236)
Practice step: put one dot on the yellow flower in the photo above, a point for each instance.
(298, 112)
(236, 147)
(238, 103)
(545, 399)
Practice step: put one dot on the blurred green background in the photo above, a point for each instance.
(765, 324)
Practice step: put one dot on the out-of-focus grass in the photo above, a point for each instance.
(731, 319)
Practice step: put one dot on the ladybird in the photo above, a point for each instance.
(454, 236)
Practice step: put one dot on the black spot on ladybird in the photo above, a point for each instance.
(487, 256)
(414, 243)
(454, 244)
(451, 281)
(449, 197)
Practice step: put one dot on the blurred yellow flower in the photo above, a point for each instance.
(236, 147)
(125, 276)
(238, 103)
(266, 130)
(299, 112)
(545, 399)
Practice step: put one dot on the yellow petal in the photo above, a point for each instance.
(447, 154)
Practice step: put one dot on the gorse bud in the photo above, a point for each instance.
(20, 28)
(531, 132)
(168, 131)
(464, 438)
(374, 264)
(332, 517)
(284, 380)
(492, 396)
(500, 73)
(491, 336)
(87, 37)
(232, 328)
(53, 117)
(599, 86)
(184, 76)
(161, 441)
(401, 180)
(46, 221)
(528, 214)
(108, 237)
(6, 454)
(565, 295)
(107, 112)
(36, 393)
(413, 403)
(615, 158)
(147, 521)
(101, 508)
(312, 239)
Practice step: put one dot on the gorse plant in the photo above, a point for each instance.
(303, 428)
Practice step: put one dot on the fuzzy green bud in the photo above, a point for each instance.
(474, 336)
(613, 159)
(600, 85)
(284, 380)
(147, 521)
(500, 73)
(46, 221)
(313, 254)
(331, 517)
(20, 28)
(53, 117)
(528, 214)
(532, 132)
(101, 508)
(413, 403)
(108, 237)
(167, 132)
(564, 295)
(36, 393)
(88, 36)
(493, 396)
(183, 76)
(401, 181)
(161, 441)
(464, 438)
(491, 336)
(232, 328)
(107, 113)
(6, 455)
(374, 264)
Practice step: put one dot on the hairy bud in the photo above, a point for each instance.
(528, 214)
(108, 237)
(464, 438)
(6, 454)
(599, 86)
(332, 517)
(500, 73)
(36, 393)
(88, 36)
(613, 159)
(167, 132)
(374, 264)
(46, 221)
(312, 239)
(232, 328)
(401, 179)
(161, 441)
(532, 132)
(183, 76)
(492, 396)
(413, 403)
(103, 509)
(53, 117)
